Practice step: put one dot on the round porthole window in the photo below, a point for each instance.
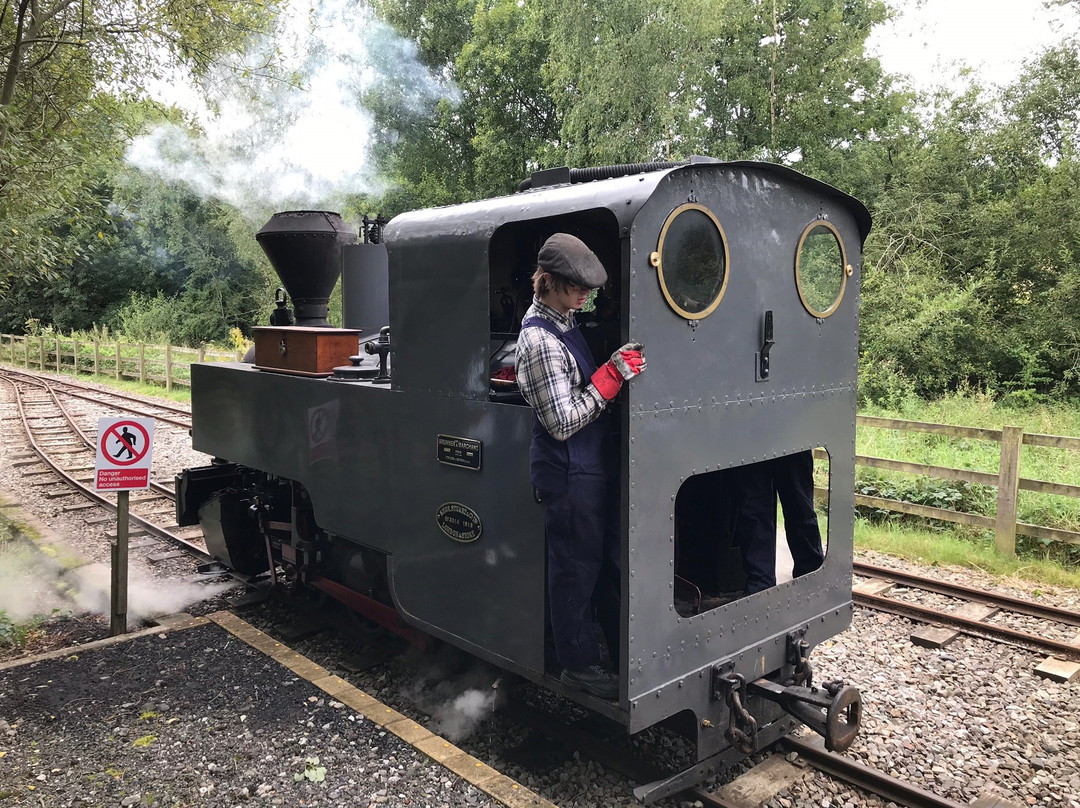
(821, 268)
(691, 261)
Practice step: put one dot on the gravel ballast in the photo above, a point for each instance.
(196, 717)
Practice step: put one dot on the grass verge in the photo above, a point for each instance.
(179, 395)
(953, 548)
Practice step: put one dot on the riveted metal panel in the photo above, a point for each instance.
(367, 456)
(439, 277)
(700, 407)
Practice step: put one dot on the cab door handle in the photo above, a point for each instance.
(761, 358)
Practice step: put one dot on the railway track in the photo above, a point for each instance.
(811, 752)
(159, 411)
(961, 619)
(61, 457)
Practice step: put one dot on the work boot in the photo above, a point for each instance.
(593, 679)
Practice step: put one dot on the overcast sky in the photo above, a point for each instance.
(992, 36)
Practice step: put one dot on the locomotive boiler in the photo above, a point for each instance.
(397, 481)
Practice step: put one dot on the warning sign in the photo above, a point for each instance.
(123, 453)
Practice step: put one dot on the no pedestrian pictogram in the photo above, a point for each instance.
(123, 453)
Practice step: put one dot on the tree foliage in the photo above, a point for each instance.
(972, 268)
(172, 268)
(68, 69)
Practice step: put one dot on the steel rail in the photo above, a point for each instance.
(838, 766)
(91, 445)
(575, 738)
(53, 383)
(89, 493)
(45, 385)
(865, 777)
(1013, 604)
(973, 628)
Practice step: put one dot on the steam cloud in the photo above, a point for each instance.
(147, 598)
(284, 127)
(458, 692)
(34, 584)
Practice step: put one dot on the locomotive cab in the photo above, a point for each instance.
(411, 500)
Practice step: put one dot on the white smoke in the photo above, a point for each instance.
(456, 690)
(284, 126)
(458, 718)
(29, 581)
(90, 587)
(37, 585)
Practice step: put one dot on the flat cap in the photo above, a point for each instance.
(567, 255)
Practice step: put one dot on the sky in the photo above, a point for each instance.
(992, 36)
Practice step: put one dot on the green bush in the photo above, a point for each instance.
(949, 494)
(12, 635)
(883, 383)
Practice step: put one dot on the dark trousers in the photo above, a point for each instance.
(583, 568)
(791, 478)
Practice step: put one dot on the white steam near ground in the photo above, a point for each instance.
(457, 691)
(36, 585)
(284, 125)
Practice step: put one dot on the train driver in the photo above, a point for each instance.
(572, 462)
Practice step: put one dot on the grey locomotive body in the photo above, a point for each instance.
(410, 500)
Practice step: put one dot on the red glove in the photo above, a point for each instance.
(625, 364)
(629, 360)
(607, 380)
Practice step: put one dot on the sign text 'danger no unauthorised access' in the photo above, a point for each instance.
(123, 453)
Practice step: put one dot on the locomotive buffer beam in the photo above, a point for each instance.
(833, 711)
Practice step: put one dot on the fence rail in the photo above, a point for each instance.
(169, 366)
(166, 365)
(1007, 481)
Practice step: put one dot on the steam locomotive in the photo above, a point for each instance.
(385, 463)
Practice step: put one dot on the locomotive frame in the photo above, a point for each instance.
(411, 501)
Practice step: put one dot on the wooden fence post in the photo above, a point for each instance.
(168, 367)
(1012, 438)
(142, 363)
(202, 352)
(97, 357)
(58, 355)
(26, 352)
(117, 369)
(75, 354)
(41, 353)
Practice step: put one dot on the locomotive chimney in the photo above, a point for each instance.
(304, 247)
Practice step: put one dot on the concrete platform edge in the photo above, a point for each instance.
(478, 774)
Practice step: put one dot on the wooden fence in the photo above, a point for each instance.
(167, 365)
(1007, 480)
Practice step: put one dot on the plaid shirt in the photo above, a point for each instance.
(550, 379)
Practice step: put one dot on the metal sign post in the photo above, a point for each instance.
(122, 464)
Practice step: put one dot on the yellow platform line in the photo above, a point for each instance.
(497, 786)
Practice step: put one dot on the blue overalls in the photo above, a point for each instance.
(791, 478)
(575, 479)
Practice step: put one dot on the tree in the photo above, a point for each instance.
(622, 74)
(976, 241)
(173, 267)
(67, 69)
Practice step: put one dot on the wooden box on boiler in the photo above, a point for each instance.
(304, 351)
